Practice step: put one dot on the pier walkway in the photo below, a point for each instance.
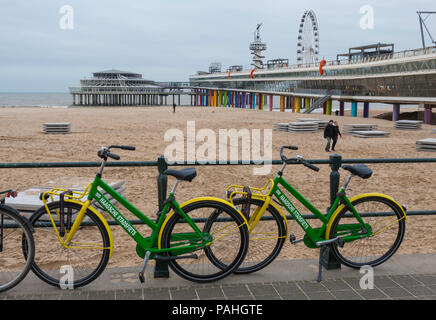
(410, 277)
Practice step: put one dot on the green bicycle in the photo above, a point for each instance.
(71, 232)
(364, 230)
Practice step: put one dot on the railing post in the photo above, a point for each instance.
(328, 260)
(335, 164)
(161, 267)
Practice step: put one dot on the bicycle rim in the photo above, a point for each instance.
(83, 260)
(226, 250)
(16, 248)
(387, 231)
(266, 238)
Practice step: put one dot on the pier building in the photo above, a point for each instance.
(122, 88)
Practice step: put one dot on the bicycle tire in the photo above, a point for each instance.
(17, 248)
(383, 244)
(266, 238)
(53, 263)
(229, 246)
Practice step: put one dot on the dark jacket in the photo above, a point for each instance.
(336, 132)
(329, 131)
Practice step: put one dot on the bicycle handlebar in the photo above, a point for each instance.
(284, 158)
(131, 148)
(113, 156)
(309, 165)
(298, 159)
(104, 152)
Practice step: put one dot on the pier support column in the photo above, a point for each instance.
(329, 108)
(427, 114)
(307, 105)
(282, 103)
(341, 108)
(366, 109)
(324, 108)
(396, 112)
(293, 103)
(260, 101)
(298, 105)
(354, 109)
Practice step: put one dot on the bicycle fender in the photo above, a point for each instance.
(192, 201)
(360, 196)
(106, 225)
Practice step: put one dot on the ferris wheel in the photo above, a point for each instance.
(308, 39)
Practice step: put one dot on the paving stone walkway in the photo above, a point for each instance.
(400, 287)
(399, 280)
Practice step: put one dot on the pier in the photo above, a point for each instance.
(397, 79)
(380, 76)
(124, 88)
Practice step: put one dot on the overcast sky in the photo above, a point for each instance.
(172, 39)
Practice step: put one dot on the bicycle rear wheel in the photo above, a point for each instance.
(386, 221)
(228, 238)
(16, 248)
(266, 238)
(85, 257)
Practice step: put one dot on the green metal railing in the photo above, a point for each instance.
(161, 269)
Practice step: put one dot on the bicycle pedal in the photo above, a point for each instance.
(294, 240)
(144, 265)
(141, 277)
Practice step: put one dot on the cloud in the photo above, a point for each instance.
(170, 40)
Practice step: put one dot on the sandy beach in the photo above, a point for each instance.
(22, 140)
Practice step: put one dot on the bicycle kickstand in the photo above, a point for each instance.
(321, 254)
(144, 265)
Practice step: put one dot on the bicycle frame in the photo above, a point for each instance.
(144, 244)
(312, 235)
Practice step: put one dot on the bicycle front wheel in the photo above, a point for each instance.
(226, 246)
(266, 237)
(77, 263)
(16, 248)
(386, 223)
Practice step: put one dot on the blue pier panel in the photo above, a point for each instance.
(354, 109)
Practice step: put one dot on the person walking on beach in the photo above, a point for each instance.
(329, 133)
(336, 133)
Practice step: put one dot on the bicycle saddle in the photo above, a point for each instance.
(187, 174)
(359, 170)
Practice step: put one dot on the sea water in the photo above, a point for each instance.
(35, 99)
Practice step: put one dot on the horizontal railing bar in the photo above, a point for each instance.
(387, 160)
(28, 165)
